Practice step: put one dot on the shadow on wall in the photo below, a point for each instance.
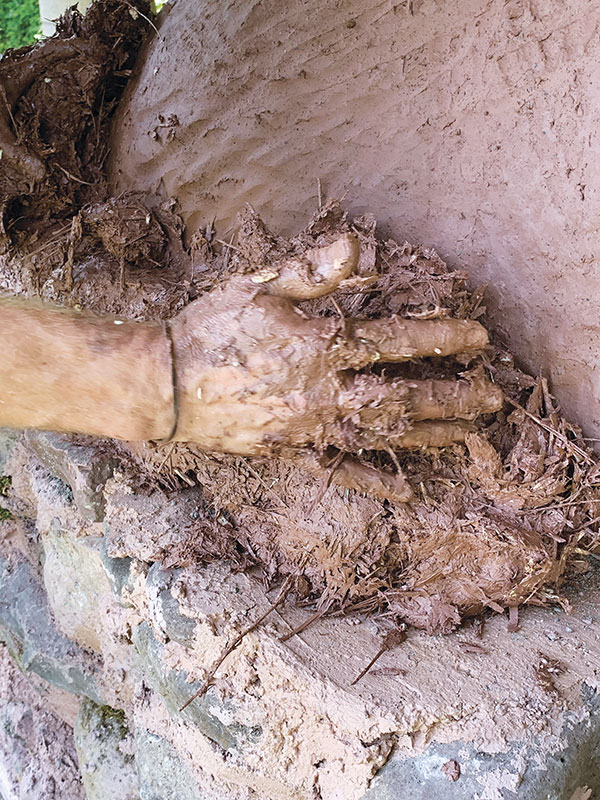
(470, 126)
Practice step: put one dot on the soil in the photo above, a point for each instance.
(495, 523)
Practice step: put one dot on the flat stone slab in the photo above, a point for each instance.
(85, 469)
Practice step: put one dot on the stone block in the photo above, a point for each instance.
(118, 570)
(29, 631)
(105, 751)
(76, 585)
(164, 607)
(84, 468)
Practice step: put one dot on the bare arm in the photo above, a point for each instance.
(70, 371)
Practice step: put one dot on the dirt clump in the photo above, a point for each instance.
(64, 239)
(59, 97)
(495, 523)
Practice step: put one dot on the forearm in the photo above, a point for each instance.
(70, 371)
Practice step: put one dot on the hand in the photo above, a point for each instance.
(256, 376)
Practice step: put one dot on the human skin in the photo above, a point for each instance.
(243, 370)
(75, 372)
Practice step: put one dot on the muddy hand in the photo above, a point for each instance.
(257, 376)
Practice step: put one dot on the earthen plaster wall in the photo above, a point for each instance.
(471, 126)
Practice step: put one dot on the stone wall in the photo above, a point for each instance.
(112, 646)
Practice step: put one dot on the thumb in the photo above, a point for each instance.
(315, 273)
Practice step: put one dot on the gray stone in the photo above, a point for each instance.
(162, 774)
(175, 689)
(29, 631)
(38, 760)
(28, 771)
(84, 468)
(77, 586)
(557, 778)
(166, 608)
(117, 570)
(8, 438)
(105, 751)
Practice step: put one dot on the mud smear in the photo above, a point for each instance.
(497, 523)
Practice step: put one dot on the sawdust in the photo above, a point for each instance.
(494, 524)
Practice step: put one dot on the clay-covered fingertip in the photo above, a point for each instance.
(494, 400)
(476, 336)
(336, 261)
(315, 273)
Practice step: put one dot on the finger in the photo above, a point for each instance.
(375, 399)
(350, 438)
(395, 339)
(431, 434)
(351, 474)
(462, 399)
(317, 272)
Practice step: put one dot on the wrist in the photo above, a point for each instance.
(138, 378)
(79, 373)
